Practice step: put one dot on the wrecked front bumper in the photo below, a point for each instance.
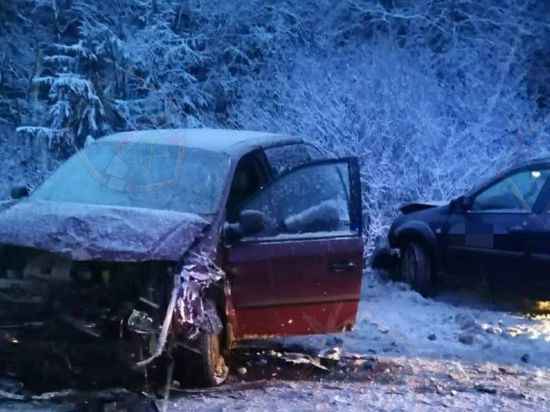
(85, 321)
(49, 364)
(385, 257)
(48, 348)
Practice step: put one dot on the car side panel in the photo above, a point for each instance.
(263, 322)
(486, 244)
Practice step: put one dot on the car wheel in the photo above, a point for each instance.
(416, 268)
(204, 369)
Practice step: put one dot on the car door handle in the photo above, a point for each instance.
(345, 266)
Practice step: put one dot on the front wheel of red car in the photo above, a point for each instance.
(417, 268)
(204, 367)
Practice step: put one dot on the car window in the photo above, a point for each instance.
(310, 200)
(140, 174)
(287, 157)
(517, 192)
(250, 177)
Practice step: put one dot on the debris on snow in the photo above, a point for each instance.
(525, 357)
(485, 389)
(466, 339)
(332, 355)
(299, 359)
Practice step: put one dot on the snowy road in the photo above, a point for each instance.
(403, 385)
(457, 351)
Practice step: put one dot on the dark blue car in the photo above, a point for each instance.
(499, 232)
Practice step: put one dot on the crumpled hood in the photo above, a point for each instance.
(417, 206)
(90, 232)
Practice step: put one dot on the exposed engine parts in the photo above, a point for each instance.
(48, 302)
(141, 323)
(131, 313)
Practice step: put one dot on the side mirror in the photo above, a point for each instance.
(250, 222)
(461, 204)
(19, 192)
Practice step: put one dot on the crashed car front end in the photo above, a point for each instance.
(387, 254)
(75, 315)
(103, 289)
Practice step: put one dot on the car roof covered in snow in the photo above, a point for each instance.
(231, 142)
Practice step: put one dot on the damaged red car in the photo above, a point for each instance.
(170, 247)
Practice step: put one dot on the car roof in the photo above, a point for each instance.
(231, 142)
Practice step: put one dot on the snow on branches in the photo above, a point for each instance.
(432, 96)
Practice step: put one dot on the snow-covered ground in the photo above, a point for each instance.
(463, 326)
(409, 385)
(458, 350)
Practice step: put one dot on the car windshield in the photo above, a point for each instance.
(143, 175)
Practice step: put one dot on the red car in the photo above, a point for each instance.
(177, 244)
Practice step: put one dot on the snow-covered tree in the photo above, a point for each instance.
(432, 95)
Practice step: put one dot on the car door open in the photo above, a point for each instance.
(295, 265)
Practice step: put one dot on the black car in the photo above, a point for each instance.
(498, 232)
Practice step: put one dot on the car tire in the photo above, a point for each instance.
(204, 368)
(416, 268)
